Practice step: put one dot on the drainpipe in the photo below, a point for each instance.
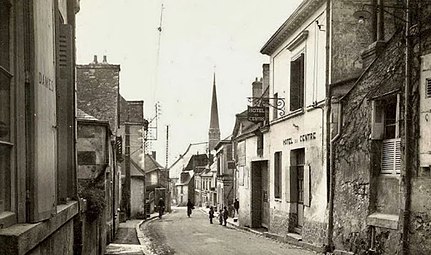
(328, 128)
(406, 174)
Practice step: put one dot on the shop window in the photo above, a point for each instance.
(6, 144)
(297, 83)
(277, 174)
(385, 127)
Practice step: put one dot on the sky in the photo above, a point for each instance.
(175, 66)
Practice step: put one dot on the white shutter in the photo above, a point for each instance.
(377, 121)
(391, 156)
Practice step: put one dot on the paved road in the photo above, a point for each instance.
(177, 234)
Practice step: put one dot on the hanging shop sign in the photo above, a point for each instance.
(256, 113)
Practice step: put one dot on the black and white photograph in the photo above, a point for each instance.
(190, 127)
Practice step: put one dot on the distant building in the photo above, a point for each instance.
(155, 178)
(176, 169)
(225, 173)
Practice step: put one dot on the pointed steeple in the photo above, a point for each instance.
(214, 130)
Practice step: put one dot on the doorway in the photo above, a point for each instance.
(297, 166)
(259, 194)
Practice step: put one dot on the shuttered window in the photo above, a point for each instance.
(391, 156)
(428, 88)
(385, 127)
(297, 83)
(277, 174)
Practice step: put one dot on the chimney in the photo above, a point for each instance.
(95, 59)
(153, 154)
(265, 80)
(105, 60)
(256, 89)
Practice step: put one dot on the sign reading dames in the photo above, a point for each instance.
(256, 113)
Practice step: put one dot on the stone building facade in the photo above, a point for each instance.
(38, 197)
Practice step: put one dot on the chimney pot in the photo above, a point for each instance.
(153, 154)
(105, 59)
(95, 59)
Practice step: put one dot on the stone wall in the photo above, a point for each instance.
(60, 242)
(355, 163)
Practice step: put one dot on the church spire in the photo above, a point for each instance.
(214, 130)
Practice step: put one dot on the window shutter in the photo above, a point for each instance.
(42, 110)
(65, 108)
(301, 81)
(391, 156)
(377, 121)
(307, 186)
(294, 85)
(397, 126)
(292, 190)
(428, 88)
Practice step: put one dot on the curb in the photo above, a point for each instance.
(141, 235)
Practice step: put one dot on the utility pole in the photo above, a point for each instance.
(168, 182)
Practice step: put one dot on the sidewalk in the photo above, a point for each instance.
(127, 239)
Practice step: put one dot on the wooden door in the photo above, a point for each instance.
(265, 195)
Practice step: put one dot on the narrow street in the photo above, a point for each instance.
(175, 233)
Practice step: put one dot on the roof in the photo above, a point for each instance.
(243, 126)
(194, 148)
(136, 168)
(295, 20)
(197, 161)
(80, 114)
(187, 176)
(151, 164)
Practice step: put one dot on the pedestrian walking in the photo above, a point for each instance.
(236, 207)
(220, 216)
(211, 214)
(190, 207)
(161, 206)
(225, 215)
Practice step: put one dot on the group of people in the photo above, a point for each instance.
(224, 213)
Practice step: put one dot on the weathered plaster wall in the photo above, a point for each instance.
(286, 136)
(349, 37)
(355, 164)
(137, 197)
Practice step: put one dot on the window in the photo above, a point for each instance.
(5, 109)
(260, 145)
(277, 174)
(385, 127)
(297, 83)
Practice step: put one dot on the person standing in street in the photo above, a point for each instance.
(236, 207)
(211, 214)
(225, 215)
(190, 207)
(161, 206)
(220, 216)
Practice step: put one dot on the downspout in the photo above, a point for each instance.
(406, 174)
(329, 174)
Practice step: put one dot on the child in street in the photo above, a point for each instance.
(211, 214)
(225, 215)
(220, 215)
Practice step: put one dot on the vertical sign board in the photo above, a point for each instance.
(44, 177)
